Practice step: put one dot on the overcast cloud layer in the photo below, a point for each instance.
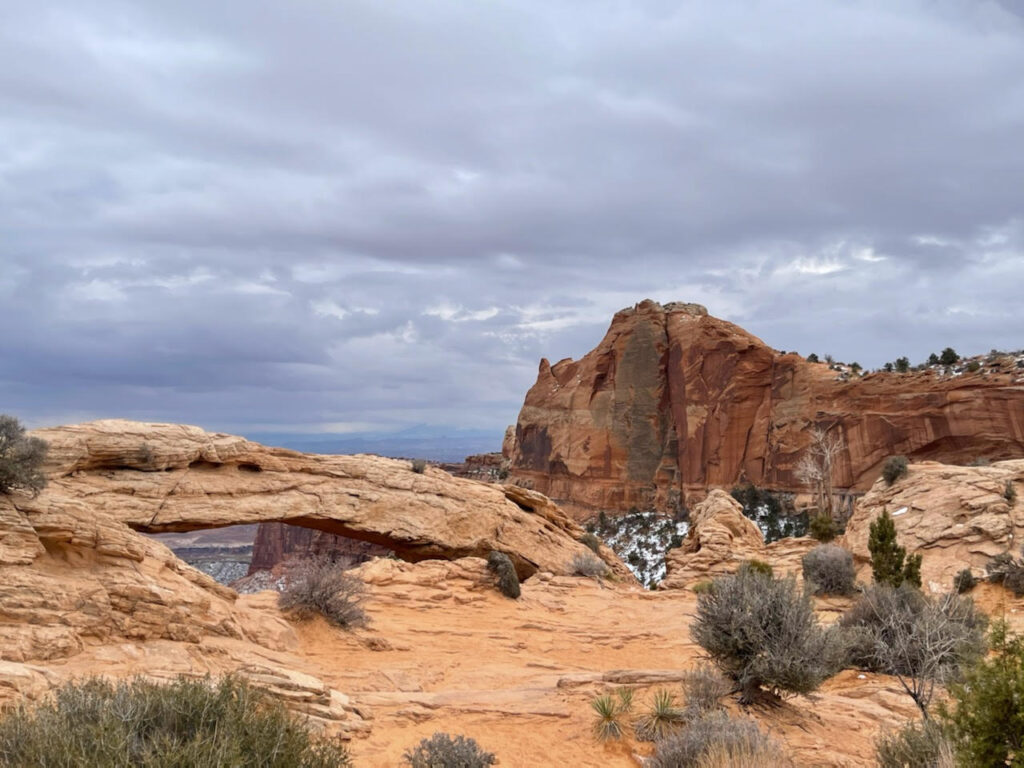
(336, 216)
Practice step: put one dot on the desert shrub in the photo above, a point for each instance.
(762, 633)
(419, 466)
(829, 569)
(703, 687)
(508, 580)
(760, 567)
(984, 717)
(948, 356)
(717, 740)
(1007, 570)
(973, 367)
(812, 358)
(1010, 493)
(444, 751)
(889, 561)
(664, 716)
(823, 528)
(964, 581)
(20, 458)
(703, 587)
(591, 542)
(608, 724)
(186, 723)
(925, 642)
(319, 586)
(915, 744)
(902, 365)
(586, 564)
(894, 468)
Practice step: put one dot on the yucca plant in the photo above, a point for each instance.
(663, 718)
(608, 725)
(625, 699)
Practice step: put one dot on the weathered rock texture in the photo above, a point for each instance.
(720, 539)
(166, 477)
(955, 517)
(673, 400)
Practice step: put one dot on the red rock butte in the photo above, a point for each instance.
(673, 402)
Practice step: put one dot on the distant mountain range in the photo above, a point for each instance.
(418, 442)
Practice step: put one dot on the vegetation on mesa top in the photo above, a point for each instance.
(945, 363)
(20, 458)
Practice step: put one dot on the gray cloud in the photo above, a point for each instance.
(351, 215)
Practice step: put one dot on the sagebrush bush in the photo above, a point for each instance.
(828, 569)
(1005, 569)
(508, 580)
(21, 458)
(444, 751)
(894, 468)
(185, 723)
(915, 744)
(964, 581)
(762, 633)
(718, 740)
(586, 564)
(591, 541)
(318, 586)
(419, 466)
(703, 688)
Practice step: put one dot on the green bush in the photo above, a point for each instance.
(823, 528)
(973, 367)
(185, 723)
(984, 717)
(828, 569)
(915, 744)
(812, 358)
(894, 468)
(949, 356)
(759, 567)
(762, 633)
(889, 561)
(318, 586)
(610, 712)
(703, 587)
(419, 466)
(1010, 493)
(741, 741)
(20, 458)
(508, 580)
(1006, 570)
(443, 751)
(964, 581)
(902, 365)
(591, 542)
(662, 718)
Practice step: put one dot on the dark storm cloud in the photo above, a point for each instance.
(347, 215)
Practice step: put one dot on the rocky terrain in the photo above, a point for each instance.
(82, 592)
(674, 401)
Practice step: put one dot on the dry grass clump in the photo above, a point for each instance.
(716, 741)
(586, 564)
(319, 586)
(704, 687)
(185, 723)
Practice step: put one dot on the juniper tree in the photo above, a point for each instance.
(20, 458)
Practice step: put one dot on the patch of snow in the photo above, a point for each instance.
(900, 511)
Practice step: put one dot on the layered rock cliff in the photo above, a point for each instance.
(674, 401)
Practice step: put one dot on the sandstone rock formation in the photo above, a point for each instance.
(955, 517)
(720, 538)
(674, 401)
(165, 477)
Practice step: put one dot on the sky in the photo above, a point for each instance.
(325, 216)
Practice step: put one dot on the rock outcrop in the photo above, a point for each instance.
(674, 401)
(720, 538)
(165, 478)
(955, 517)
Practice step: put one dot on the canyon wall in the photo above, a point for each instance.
(674, 401)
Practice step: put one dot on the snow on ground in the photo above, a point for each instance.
(641, 540)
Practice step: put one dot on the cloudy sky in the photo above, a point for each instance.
(331, 215)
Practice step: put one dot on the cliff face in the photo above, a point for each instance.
(276, 542)
(674, 401)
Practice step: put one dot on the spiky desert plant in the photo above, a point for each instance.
(608, 725)
(663, 717)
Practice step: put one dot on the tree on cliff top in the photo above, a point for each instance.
(20, 458)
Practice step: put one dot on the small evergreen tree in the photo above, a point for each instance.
(812, 358)
(889, 562)
(902, 365)
(949, 356)
(933, 359)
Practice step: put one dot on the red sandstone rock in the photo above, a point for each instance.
(674, 401)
